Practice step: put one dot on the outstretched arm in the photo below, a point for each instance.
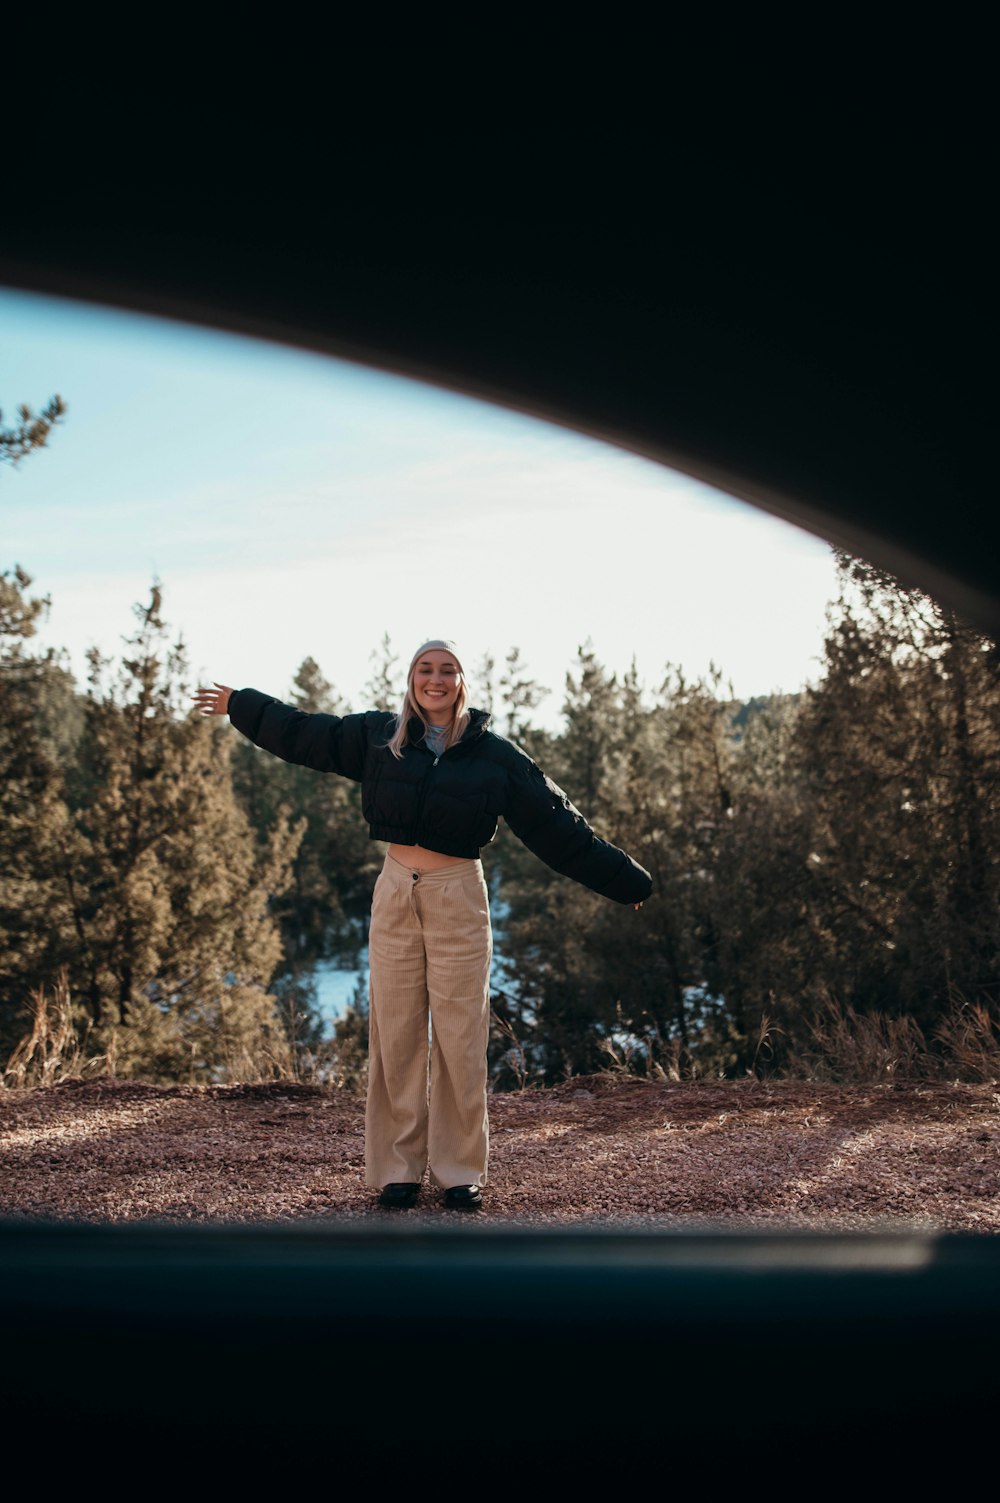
(541, 816)
(327, 743)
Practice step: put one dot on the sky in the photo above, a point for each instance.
(294, 505)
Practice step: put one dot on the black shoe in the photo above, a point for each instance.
(399, 1197)
(463, 1198)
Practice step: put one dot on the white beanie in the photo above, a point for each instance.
(443, 644)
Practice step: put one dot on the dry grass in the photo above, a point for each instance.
(842, 1045)
(970, 1039)
(64, 1046)
(845, 1045)
(58, 1048)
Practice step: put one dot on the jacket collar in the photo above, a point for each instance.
(479, 721)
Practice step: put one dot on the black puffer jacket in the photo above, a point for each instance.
(449, 803)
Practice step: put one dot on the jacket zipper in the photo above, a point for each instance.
(423, 786)
(423, 794)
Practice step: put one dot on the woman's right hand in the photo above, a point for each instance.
(213, 701)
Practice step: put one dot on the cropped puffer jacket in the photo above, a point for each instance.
(448, 803)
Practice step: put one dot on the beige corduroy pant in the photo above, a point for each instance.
(429, 952)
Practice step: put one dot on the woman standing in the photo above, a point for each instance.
(434, 780)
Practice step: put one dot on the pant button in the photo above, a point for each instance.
(416, 876)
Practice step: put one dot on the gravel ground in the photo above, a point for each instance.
(601, 1148)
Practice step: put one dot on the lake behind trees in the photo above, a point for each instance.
(335, 987)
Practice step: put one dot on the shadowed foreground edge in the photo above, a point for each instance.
(313, 1348)
(838, 384)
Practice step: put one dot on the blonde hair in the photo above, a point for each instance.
(410, 709)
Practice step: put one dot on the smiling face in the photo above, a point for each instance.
(437, 679)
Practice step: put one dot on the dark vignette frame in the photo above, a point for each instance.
(824, 359)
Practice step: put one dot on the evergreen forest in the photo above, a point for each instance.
(826, 865)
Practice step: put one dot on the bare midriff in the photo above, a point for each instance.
(419, 860)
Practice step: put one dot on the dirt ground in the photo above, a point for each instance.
(601, 1148)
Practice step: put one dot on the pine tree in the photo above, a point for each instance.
(32, 812)
(34, 915)
(563, 996)
(176, 946)
(31, 431)
(906, 813)
(484, 684)
(384, 689)
(520, 695)
(314, 693)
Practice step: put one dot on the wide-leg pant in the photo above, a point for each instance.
(429, 952)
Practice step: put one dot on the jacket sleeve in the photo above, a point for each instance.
(328, 743)
(551, 827)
